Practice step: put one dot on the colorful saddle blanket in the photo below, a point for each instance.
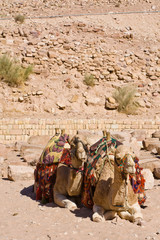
(45, 172)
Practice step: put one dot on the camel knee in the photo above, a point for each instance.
(62, 201)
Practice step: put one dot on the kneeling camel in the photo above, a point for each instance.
(114, 194)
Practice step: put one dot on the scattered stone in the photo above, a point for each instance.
(74, 98)
(20, 99)
(61, 105)
(38, 93)
(92, 101)
(110, 104)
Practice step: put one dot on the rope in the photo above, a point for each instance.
(86, 14)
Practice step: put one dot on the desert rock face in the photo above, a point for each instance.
(117, 49)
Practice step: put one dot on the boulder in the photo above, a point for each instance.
(156, 134)
(140, 135)
(17, 146)
(4, 150)
(31, 148)
(158, 150)
(31, 153)
(31, 157)
(110, 104)
(149, 179)
(151, 143)
(121, 136)
(89, 137)
(150, 164)
(20, 173)
(92, 101)
(39, 140)
(156, 172)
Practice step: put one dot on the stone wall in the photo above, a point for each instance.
(12, 130)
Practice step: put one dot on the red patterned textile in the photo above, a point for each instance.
(45, 176)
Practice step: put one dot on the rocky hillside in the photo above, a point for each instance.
(117, 49)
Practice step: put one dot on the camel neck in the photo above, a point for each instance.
(119, 189)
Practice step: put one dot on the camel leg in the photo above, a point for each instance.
(137, 215)
(133, 214)
(126, 215)
(62, 201)
(98, 215)
(109, 215)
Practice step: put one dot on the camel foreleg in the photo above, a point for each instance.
(133, 214)
(98, 215)
(63, 201)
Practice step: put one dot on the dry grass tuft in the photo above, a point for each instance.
(125, 97)
(89, 80)
(19, 18)
(12, 73)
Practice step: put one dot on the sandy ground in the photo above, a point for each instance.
(24, 218)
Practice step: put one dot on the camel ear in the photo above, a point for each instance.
(104, 133)
(63, 131)
(72, 140)
(107, 135)
(57, 131)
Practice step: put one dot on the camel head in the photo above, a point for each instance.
(79, 151)
(124, 159)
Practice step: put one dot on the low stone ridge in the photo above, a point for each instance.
(21, 161)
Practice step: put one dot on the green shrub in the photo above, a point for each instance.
(19, 18)
(89, 80)
(125, 97)
(12, 73)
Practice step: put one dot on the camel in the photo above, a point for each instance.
(60, 169)
(69, 179)
(114, 194)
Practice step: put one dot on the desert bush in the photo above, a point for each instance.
(125, 97)
(19, 18)
(89, 80)
(12, 73)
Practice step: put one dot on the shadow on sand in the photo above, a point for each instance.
(29, 192)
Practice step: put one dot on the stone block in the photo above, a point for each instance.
(4, 151)
(20, 173)
(149, 179)
(150, 143)
(39, 140)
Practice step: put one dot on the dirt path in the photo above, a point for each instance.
(24, 218)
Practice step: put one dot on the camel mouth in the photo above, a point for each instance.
(131, 171)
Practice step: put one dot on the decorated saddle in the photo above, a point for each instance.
(45, 172)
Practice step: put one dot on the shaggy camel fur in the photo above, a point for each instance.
(69, 179)
(114, 194)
